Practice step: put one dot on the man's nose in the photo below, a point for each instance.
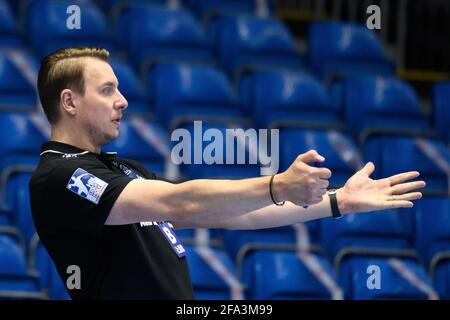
(121, 103)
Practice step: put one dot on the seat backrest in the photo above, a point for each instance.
(206, 282)
(364, 278)
(392, 155)
(15, 91)
(441, 108)
(47, 26)
(154, 34)
(274, 96)
(253, 41)
(184, 89)
(282, 275)
(8, 33)
(346, 48)
(382, 230)
(377, 103)
(12, 256)
(432, 226)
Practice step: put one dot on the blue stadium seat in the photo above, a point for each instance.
(16, 92)
(154, 34)
(20, 152)
(146, 142)
(339, 150)
(432, 226)
(337, 48)
(432, 238)
(131, 87)
(355, 277)
(47, 28)
(284, 98)
(441, 109)
(49, 280)
(18, 199)
(255, 43)
(214, 157)
(377, 105)
(271, 275)
(184, 92)
(208, 285)
(392, 155)
(380, 230)
(15, 281)
(8, 33)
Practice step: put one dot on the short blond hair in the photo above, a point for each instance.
(61, 70)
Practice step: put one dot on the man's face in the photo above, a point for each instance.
(101, 107)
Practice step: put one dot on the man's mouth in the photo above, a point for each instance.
(117, 122)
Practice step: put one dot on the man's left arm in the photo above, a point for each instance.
(359, 194)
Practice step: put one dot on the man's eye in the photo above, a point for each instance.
(107, 91)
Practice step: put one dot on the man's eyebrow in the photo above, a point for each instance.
(109, 84)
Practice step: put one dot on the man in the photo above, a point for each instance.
(115, 221)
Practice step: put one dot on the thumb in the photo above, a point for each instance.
(310, 157)
(368, 169)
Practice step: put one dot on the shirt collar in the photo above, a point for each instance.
(70, 149)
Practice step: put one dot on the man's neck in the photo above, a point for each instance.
(78, 141)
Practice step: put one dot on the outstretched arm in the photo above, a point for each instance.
(359, 194)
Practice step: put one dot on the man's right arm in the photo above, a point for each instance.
(213, 200)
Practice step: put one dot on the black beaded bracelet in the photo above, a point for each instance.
(271, 194)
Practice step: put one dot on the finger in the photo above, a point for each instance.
(398, 204)
(407, 196)
(368, 169)
(322, 173)
(310, 157)
(406, 187)
(399, 178)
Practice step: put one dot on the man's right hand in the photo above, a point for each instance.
(302, 184)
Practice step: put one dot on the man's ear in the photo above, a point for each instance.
(67, 99)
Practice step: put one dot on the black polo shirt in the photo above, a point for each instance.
(133, 261)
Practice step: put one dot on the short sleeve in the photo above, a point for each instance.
(80, 195)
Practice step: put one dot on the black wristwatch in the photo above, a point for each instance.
(334, 205)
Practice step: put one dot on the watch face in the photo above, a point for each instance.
(332, 191)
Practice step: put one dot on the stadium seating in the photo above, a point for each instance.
(282, 275)
(208, 9)
(380, 105)
(19, 153)
(47, 26)
(15, 281)
(8, 34)
(16, 92)
(432, 240)
(186, 92)
(250, 42)
(341, 155)
(398, 279)
(155, 34)
(341, 49)
(382, 231)
(441, 109)
(207, 283)
(392, 155)
(285, 98)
